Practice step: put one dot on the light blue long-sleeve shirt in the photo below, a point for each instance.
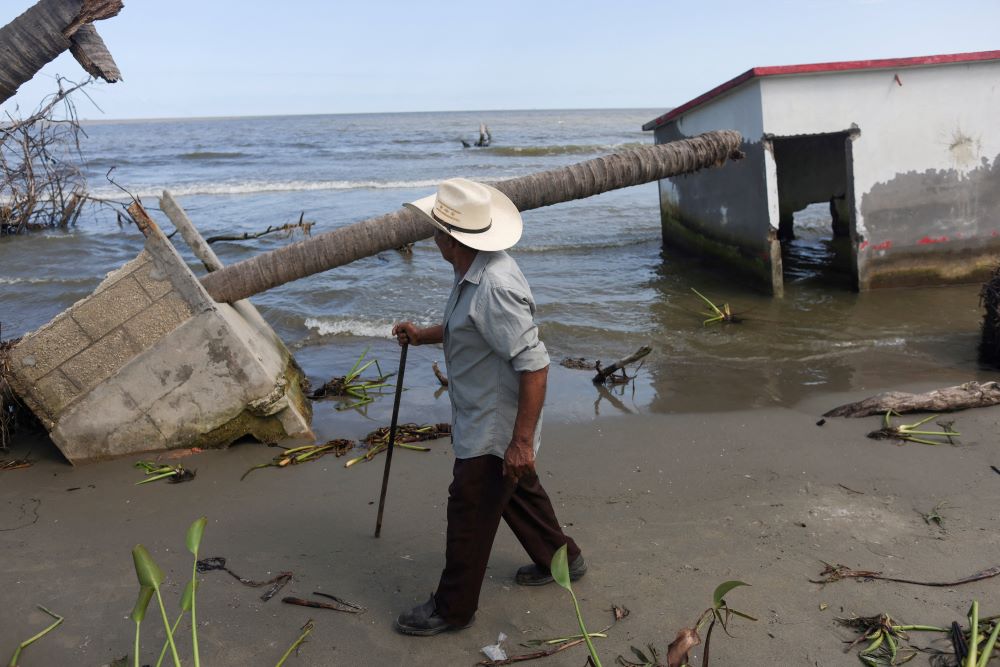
(490, 337)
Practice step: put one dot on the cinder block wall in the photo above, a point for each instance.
(130, 311)
(150, 362)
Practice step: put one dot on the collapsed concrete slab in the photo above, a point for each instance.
(150, 362)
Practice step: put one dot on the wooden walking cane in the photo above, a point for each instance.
(392, 438)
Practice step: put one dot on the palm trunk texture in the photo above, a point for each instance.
(633, 166)
(47, 29)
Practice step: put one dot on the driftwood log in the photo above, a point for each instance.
(604, 373)
(949, 399)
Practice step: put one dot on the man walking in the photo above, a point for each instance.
(497, 370)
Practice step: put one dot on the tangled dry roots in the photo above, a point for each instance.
(9, 405)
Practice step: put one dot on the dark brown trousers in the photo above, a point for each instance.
(477, 498)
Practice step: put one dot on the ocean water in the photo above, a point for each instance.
(600, 277)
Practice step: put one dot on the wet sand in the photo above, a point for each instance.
(665, 507)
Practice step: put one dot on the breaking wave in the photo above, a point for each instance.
(210, 155)
(565, 149)
(256, 187)
(337, 326)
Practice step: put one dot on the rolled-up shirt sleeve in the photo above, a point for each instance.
(504, 317)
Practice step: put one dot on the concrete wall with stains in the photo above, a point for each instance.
(923, 161)
(723, 212)
(926, 163)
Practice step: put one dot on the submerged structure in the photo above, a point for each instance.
(150, 361)
(906, 153)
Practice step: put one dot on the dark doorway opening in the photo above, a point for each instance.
(815, 212)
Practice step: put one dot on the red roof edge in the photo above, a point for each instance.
(760, 72)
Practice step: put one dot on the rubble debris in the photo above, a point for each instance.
(337, 605)
(378, 440)
(304, 454)
(832, 573)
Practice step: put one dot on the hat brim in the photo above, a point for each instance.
(504, 232)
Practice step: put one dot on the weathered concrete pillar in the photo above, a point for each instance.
(150, 362)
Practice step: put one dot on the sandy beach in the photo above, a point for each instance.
(665, 507)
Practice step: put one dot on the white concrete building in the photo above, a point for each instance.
(906, 152)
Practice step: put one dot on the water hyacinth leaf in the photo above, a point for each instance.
(194, 535)
(188, 598)
(31, 640)
(560, 567)
(642, 656)
(141, 604)
(721, 590)
(149, 573)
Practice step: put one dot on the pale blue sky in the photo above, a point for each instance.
(229, 57)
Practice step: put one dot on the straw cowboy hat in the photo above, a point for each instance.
(477, 215)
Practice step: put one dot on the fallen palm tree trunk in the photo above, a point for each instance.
(949, 399)
(632, 166)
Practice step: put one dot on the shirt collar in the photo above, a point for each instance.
(475, 272)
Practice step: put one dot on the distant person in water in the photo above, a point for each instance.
(497, 371)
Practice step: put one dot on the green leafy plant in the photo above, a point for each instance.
(678, 652)
(139, 614)
(157, 471)
(883, 639)
(352, 386)
(306, 629)
(912, 432)
(304, 454)
(717, 314)
(193, 542)
(978, 657)
(150, 579)
(151, 576)
(560, 573)
(31, 640)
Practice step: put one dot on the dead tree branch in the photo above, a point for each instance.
(288, 229)
(41, 184)
(949, 399)
(604, 373)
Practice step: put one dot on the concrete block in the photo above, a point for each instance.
(176, 371)
(41, 352)
(182, 309)
(55, 391)
(126, 269)
(159, 319)
(154, 280)
(104, 424)
(100, 360)
(103, 311)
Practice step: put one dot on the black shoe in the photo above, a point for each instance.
(533, 575)
(423, 621)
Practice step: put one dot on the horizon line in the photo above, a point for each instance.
(140, 119)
